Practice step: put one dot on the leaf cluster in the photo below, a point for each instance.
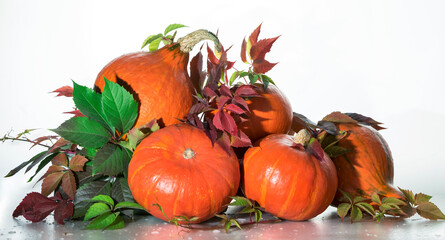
(105, 214)
(153, 41)
(356, 205)
(420, 202)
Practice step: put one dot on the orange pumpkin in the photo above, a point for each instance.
(159, 80)
(270, 113)
(368, 167)
(289, 180)
(180, 169)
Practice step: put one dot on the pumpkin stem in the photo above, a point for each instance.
(190, 40)
(188, 153)
(302, 137)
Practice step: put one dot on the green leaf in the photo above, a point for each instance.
(120, 190)
(89, 103)
(430, 211)
(172, 27)
(42, 164)
(376, 198)
(131, 205)
(248, 209)
(252, 78)
(95, 210)
(267, 78)
(233, 77)
(109, 160)
(235, 222)
(346, 196)
(366, 207)
(409, 195)
(117, 224)
(258, 215)
(84, 132)
(240, 201)
(343, 209)
(37, 157)
(227, 225)
(104, 199)
(358, 199)
(420, 198)
(154, 45)
(193, 219)
(119, 106)
(103, 221)
(87, 191)
(385, 207)
(356, 214)
(393, 201)
(335, 151)
(150, 39)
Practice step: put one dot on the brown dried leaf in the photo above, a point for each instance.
(77, 163)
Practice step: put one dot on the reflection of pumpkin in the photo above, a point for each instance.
(288, 181)
(180, 169)
(269, 113)
(159, 80)
(368, 167)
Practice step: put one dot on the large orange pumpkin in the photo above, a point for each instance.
(368, 167)
(286, 179)
(270, 113)
(180, 169)
(159, 80)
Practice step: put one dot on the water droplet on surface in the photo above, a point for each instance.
(155, 232)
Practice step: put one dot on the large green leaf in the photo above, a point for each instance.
(109, 160)
(119, 106)
(90, 104)
(84, 132)
(87, 191)
(121, 191)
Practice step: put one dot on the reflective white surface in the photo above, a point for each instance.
(325, 226)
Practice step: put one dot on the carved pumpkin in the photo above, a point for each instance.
(159, 80)
(288, 180)
(269, 113)
(180, 169)
(368, 167)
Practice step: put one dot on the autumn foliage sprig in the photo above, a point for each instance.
(222, 101)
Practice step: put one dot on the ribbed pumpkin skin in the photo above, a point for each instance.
(286, 180)
(159, 80)
(368, 167)
(269, 113)
(198, 187)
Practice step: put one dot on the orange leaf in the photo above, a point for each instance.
(77, 163)
(51, 182)
(69, 184)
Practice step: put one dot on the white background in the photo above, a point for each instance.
(384, 59)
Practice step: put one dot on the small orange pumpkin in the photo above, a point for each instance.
(180, 169)
(287, 179)
(270, 113)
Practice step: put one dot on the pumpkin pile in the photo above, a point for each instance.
(158, 134)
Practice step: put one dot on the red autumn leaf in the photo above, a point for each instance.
(225, 122)
(222, 101)
(60, 160)
(77, 163)
(64, 210)
(243, 51)
(66, 91)
(76, 113)
(234, 108)
(262, 66)
(259, 49)
(316, 150)
(211, 56)
(240, 140)
(246, 90)
(29, 207)
(209, 92)
(225, 91)
(60, 143)
(51, 182)
(69, 184)
(338, 117)
(41, 139)
(52, 169)
(197, 76)
(240, 102)
(254, 35)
